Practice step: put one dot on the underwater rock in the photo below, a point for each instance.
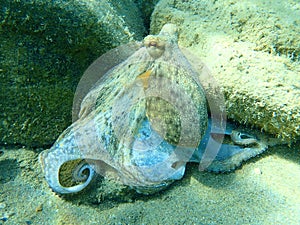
(45, 48)
(252, 49)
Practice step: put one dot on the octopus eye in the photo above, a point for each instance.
(153, 43)
(155, 47)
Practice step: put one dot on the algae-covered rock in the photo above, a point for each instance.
(44, 49)
(253, 50)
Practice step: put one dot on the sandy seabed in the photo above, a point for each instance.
(265, 190)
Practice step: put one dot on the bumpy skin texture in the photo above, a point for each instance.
(141, 123)
(240, 148)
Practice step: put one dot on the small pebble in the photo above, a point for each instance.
(39, 208)
(3, 219)
(257, 171)
(2, 205)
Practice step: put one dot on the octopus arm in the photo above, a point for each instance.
(51, 163)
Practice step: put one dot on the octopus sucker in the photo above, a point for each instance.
(144, 119)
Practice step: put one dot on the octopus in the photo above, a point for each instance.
(145, 118)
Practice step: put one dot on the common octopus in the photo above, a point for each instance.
(144, 120)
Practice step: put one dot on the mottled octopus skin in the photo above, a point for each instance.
(140, 141)
(230, 156)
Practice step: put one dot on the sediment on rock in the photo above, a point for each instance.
(252, 49)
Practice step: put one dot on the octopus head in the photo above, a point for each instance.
(155, 45)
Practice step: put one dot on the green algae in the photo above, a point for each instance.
(45, 48)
